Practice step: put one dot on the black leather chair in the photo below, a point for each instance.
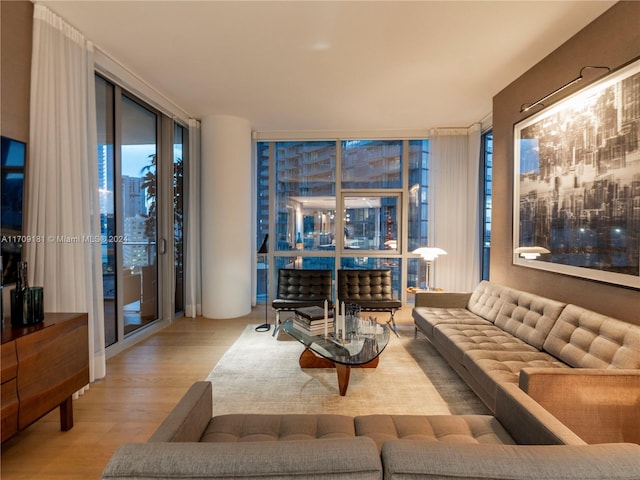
(371, 290)
(301, 288)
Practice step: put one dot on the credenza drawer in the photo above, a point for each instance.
(42, 366)
(10, 406)
(9, 359)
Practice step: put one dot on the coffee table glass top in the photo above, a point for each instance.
(358, 349)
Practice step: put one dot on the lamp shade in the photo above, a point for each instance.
(530, 253)
(429, 253)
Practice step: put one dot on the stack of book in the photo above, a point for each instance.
(312, 320)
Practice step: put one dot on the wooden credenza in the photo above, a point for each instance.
(42, 366)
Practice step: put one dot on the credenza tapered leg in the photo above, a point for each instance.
(66, 415)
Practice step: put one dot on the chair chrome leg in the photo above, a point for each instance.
(391, 323)
(276, 325)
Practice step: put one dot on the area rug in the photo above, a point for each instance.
(260, 374)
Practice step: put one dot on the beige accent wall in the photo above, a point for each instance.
(611, 40)
(16, 20)
(16, 25)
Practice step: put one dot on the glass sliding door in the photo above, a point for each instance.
(138, 163)
(179, 158)
(105, 94)
(127, 155)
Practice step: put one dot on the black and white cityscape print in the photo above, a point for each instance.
(578, 179)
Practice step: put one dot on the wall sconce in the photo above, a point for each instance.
(429, 254)
(530, 253)
(525, 107)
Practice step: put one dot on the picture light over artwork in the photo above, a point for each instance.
(525, 107)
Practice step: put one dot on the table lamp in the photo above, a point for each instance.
(429, 254)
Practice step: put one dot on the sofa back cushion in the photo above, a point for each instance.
(527, 316)
(486, 300)
(585, 339)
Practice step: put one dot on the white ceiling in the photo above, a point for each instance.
(331, 65)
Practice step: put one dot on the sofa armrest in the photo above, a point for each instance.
(354, 458)
(600, 405)
(528, 422)
(404, 459)
(189, 418)
(442, 299)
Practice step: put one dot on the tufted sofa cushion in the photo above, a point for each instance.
(433, 428)
(528, 317)
(586, 339)
(457, 340)
(302, 288)
(269, 427)
(427, 318)
(491, 367)
(487, 300)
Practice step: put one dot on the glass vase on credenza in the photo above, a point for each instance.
(27, 303)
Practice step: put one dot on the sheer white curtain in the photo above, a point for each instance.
(193, 284)
(454, 207)
(62, 179)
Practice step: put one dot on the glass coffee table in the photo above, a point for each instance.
(359, 350)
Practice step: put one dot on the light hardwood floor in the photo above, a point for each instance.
(142, 385)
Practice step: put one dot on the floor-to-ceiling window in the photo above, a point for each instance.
(487, 179)
(139, 219)
(417, 206)
(342, 204)
(371, 207)
(305, 204)
(262, 220)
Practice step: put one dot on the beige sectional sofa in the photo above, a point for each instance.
(522, 441)
(557, 378)
(581, 366)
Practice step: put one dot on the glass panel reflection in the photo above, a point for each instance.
(418, 192)
(371, 222)
(371, 164)
(179, 150)
(305, 195)
(106, 169)
(139, 206)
